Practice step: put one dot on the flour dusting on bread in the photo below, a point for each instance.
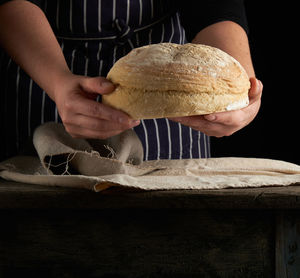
(189, 79)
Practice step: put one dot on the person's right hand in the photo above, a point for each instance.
(83, 117)
(27, 36)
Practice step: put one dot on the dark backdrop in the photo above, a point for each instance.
(273, 42)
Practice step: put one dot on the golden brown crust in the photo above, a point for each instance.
(188, 79)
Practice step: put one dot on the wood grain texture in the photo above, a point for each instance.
(137, 243)
(17, 195)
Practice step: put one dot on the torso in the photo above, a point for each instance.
(93, 35)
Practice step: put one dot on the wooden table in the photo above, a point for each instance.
(61, 232)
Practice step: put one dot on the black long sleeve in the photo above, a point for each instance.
(198, 14)
(36, 2)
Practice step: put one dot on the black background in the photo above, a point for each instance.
(273, 42)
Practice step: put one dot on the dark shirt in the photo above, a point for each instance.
(196, 15)
(93, 35)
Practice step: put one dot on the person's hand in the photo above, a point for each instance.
(75, 97)
(226, 123)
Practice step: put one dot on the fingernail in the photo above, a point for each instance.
(135, 122)
(107, 84)
(122, 120)
(210, 117)
(258, 82)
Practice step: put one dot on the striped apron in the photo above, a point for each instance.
(93, 35)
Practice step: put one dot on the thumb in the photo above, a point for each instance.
(255, 90)
(98, 85)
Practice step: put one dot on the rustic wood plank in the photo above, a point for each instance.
(18, 195)
(280, 259)
(287, 244)
(137, 243)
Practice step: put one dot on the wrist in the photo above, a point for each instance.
(56, 83)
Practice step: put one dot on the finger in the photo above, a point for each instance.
(239, 117)
(99, 124)
(99, 85)
(255, 91)
(236, 119)
(255, 94)
(201, 124)
(80, 132)
(91, 108)
(197, 123)
(226, 125)
(228, 118)
(207, 127)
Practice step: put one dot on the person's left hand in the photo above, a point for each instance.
(226, 123)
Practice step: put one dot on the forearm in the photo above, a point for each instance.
(28, 38)
(231, 38)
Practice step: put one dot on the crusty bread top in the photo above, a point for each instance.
(191, 68)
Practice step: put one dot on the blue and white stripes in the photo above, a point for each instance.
(89, 32)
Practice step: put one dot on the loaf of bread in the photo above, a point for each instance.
(170, 80)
